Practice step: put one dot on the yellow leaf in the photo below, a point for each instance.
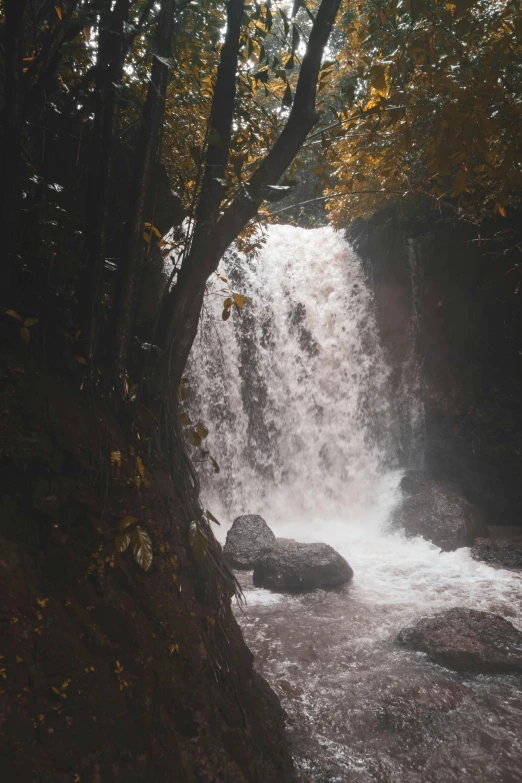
(239, 300)
(81, 359)
(153, 229)
(14, 314)
(58, 12)
(116, 458)
(31, 321)
(501, 210)
(378, 78)
(25, 334)
(126, 522)
(201, 430)
(227, 303)
(194, 438)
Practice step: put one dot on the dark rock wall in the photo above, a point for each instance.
(445, 292)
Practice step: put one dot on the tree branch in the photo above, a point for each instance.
(211, 239)
(303, 116)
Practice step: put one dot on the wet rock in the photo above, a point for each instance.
(298, 568)
(470, 381)
(467, 640)
(498, 552)
(432, 509)
(246, 539)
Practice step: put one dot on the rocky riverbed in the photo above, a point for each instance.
(363, 708)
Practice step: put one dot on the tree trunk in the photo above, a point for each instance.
(12, 142)
(133, 250)
(184, 302)
(112, 50)
(211, 240)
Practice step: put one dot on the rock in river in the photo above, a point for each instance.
(298, 568)
(498, 552)
(433, 510)
(246, 539)
(467, 640)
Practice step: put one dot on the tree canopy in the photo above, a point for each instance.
(432, 106)
(107, 108)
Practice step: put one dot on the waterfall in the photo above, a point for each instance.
(293, 387)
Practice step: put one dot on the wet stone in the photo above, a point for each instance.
(498, 552)
(432, 509)
(467, 640)
(290, 567)
(246, 539)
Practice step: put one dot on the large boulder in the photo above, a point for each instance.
(290, 567)
(432, 509)
(246, 539)
(467, 640)
(498, 552)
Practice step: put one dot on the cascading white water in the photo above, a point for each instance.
(294, 389)
(294, 386)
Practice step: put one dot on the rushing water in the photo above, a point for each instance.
(295, 390)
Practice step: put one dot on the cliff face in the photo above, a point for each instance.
(445, 293)
(109, 672)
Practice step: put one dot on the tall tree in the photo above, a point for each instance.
(132, 254)
(215, 232)
(111, 57)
